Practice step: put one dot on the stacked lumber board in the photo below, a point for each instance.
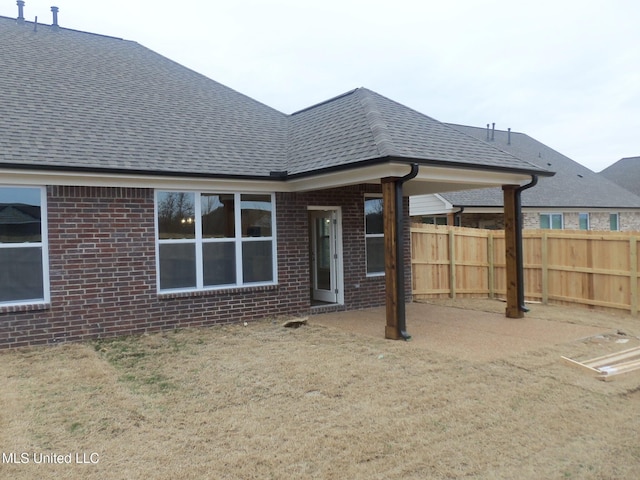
(606, 367)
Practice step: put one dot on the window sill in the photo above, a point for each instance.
(24, 307)
(217, 292)
(375, 275)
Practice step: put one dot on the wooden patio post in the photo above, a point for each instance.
(390, 257)
(510, 240)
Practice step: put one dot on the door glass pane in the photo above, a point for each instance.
(323, 253)
(375, 254)
(256, 215)
(176, 215)
(21, 274)
(177, 266)
(20, 215)
(218, 215)
(257, 261)
(219, 260)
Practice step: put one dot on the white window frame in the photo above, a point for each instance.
(550, 214)
(43, 244)
(370, 235)
(199, 241)
(617, 217)
(588, 220)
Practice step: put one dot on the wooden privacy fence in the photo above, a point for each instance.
(598, 269)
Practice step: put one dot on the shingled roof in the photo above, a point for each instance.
(573, 186)
(79, 101)
(626, 173)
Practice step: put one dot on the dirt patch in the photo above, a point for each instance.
(468, 333)
(264, 401)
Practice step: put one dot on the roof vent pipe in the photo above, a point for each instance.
(509, 136)
(487, 132)
(493, 131)
(54, 25)
(20, 4)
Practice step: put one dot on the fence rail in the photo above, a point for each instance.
(598, 269)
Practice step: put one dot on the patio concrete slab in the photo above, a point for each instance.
(468, 334)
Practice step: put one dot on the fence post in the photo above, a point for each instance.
(633, 274)
(545, 267)
(491, 273)
(452, 263)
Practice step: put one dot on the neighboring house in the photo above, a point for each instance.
(574, 198)
(139, 195)
(626, 173)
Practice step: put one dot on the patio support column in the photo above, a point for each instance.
(511, 237)
(389, 212)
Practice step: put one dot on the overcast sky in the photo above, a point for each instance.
(565, 72)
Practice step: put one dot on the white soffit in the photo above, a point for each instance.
(429, 179)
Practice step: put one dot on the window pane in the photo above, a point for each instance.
(218, 215)
(373, 215)
(375, 255)
(584, 221)
(219, 260)
(20, 215)
(544, 221)
(177, 266)
(613, 221)
(257, 261)
(21, 274)
(256, 215)
(176, 215)
(441, 220)
(556, 221)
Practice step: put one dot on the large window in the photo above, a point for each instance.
(23, 240)
(215, 240)
(374, 235)
(551, 220)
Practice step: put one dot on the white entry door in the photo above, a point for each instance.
(324, 255)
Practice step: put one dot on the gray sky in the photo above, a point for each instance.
(565, 72)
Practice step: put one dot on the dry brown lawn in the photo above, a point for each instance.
(266, 402)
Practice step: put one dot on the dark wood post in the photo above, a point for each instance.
(390, 210)
(511, 239)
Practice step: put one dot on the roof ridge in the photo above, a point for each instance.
(379, 129)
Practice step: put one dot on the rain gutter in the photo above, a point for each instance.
(402, 321)
(519, 255)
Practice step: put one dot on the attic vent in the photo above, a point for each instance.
(54, 25)
(580, 175)
(20, 4)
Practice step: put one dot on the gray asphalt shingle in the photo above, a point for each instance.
(573, 185)
(78, 100)
(626, 173)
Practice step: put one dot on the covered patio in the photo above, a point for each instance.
(467, 334)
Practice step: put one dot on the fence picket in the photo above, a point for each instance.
(598, 269)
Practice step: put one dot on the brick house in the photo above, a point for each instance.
(138, 195)
(575, 198)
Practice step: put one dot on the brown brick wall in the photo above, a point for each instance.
(103, 278)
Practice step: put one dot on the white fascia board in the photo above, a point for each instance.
(368, 174)
(41, 177)
(441, 179)
(429, 179)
